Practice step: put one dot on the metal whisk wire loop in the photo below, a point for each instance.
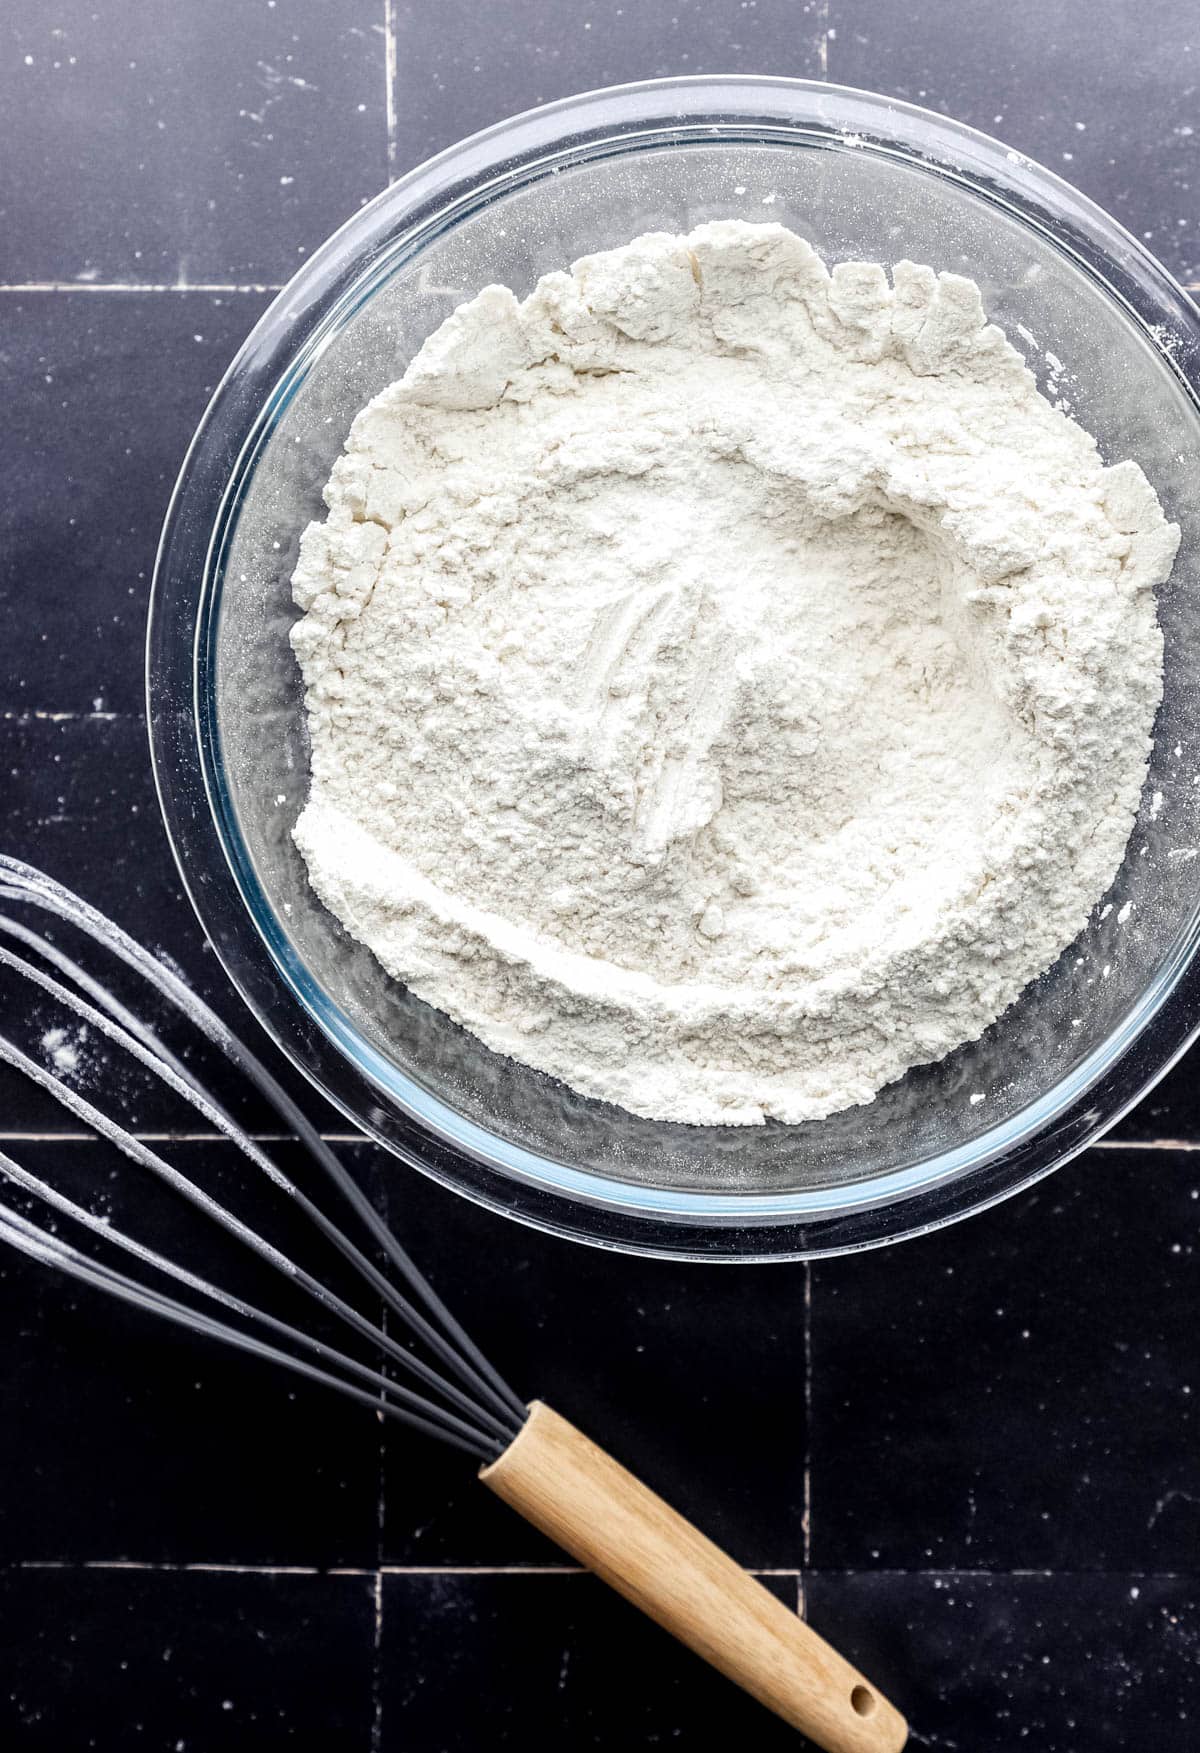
(461, 1398)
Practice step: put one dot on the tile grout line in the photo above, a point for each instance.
(389, 86)
(39, 715)
(1183, 1145)
(198, 1565)
(84, 1137)
(376, 1742)
(371, 1573)
(484, 1570)
(261, 286)
(806, 1505)
(141, 286)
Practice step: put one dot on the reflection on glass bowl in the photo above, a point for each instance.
(859, 176)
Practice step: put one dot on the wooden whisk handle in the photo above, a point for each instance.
(606, 1519)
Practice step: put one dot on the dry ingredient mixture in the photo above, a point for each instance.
(730, 682)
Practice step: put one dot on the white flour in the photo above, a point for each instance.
(730, 683)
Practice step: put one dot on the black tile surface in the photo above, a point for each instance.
(1170, 1111)
(1020, 1392)
(483, 63)
(190, 1453)
(79, 803)
(1060, 1664)
(1105, 94)
(102, 393)
(219, 144)
(509, 1661)
(185, 1660)
(985, 1462)
(612, 1342)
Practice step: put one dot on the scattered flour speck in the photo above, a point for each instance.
(62, 1049)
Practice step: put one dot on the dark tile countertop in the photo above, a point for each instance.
(972, 1460)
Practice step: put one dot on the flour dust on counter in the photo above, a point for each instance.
(730, 682)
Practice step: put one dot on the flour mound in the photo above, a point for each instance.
(730, 682)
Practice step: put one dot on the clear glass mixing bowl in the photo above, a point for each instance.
(860, 176)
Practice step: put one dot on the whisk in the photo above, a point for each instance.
(529, 1455)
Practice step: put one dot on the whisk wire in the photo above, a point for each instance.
(158, 1059)
(100, 995)
(554, 1475)
(28, 1239)
(488, 1421)
(102, 1228)
(148, 1158)
(463, 1355)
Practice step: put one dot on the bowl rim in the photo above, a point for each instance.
(184, 734)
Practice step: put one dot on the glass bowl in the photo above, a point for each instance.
(1110, 334)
